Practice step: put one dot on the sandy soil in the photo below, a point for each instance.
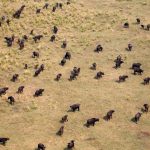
(84, 24)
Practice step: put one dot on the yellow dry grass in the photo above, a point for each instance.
(84, 24)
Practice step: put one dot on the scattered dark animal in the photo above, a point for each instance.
(41, 146)
(39, 92)
(46, 6)
(3, 140)
(20, 89)
(58, 77)
(146, 80)
(75, 107)
(37, 38)
(138, 71)
(118, 62)
(109, 115)
(60, 5)
(11, 100)
(93, 67)
(67, 55)
(72, 76)
(148, 27)
(138, 20)
(146, 108)
(37, 72)
(98, 49)
(54, 9)
(74, 73)
(123, 78)
(136, 65)
(137, 117)
(130, 47)
(38, 11)
(63, 62)
(60, 131)
(64, 119)
(21, 43)
(53, 37)
(3, 18)
(3, 91)
(142, 26)
(64, 44)
(18, 12)
(70, 145)
(91, 122)
(18, 41)
(8, 22)
(68, 2)
(26, 66)
(14, 77)
(118, 58)
(99, 75)
(35, 54)
(25, 37)
(126, 25)
(55, 30)
(42, 67)
(10, 40)
(31, 32)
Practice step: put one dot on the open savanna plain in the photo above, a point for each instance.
(83, 24)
